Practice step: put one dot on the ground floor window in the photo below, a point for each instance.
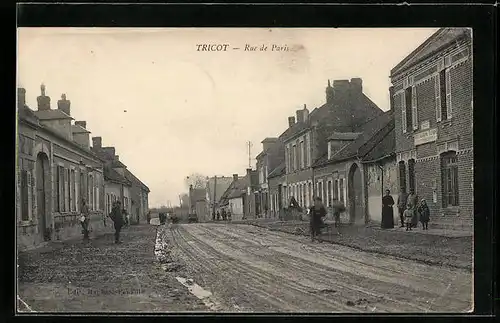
(336, 190)
(411, 174)
(25, 189)
(449, 178)
(402, 175)
(341, 190)
(329, 197)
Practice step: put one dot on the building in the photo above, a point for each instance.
(139, 199)
(198, 203)
(241, 196)
(306, 138)
(277, 181)
(55, 170)
(340, 173)
(216, 186)
(272, 155)
(432, 98)
(117, 187)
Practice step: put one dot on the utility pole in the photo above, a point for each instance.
(249, 154)
(215, 188)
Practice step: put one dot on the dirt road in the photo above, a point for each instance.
(252, 269)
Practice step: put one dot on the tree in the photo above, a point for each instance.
(197, 180)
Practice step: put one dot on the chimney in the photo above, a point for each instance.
(300, 116)
(341, 86)
(291, 121)
(235, 177)
(357, 85)
(268, 142)
(329, 92)
(116, 158)
(82, 124)
(21, 97)
(64, 105)
(305, 114)
(97, 142)
(43, 100)
(110, 152)
(391, 97)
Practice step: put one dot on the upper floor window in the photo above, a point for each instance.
(402, 175)
(442, 90)
(409, 105)
(302, 155)
(449, 177)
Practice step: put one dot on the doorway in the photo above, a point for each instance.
(355, 189)
(42, 172)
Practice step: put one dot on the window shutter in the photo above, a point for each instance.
(403, 112)
(66, 190)
(449, 108)
(30, 194)
(440, 64)
(18, 195)
(54, 188)
(34, 196)
(77, 191)
(414, 107)
(437, 91)
(61, 189)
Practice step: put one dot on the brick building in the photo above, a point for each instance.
(272, 155)
(344, 172)
(306, 139)
(241, 196)
(277, 181)
(432, 98)
(215, 188)
(55, 170)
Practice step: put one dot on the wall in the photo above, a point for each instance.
(337, 171)
(377, 185)
(236, 207)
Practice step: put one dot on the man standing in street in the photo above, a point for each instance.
(117, 217)
(316, 214)
(402, 198)
(85, 220)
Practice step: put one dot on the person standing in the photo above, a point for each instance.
(402, 199)
(85, 219)
(424, 212)
(148, 217)
(408, 214)
(387, 211)
(117, 217)
(413, 203)
(316, 214)
(337, 208)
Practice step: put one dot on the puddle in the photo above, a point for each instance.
(204, 295)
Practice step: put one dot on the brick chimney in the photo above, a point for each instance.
(82, 124)
(357, 85)
(21, 97)
(116, 158)
(305, 114)
(43, 100)
(235, 177)
(341, 86)
(268, 142)
(97, 142)
(329, 92)
(291, 121)
(110, 152)
(64, 105)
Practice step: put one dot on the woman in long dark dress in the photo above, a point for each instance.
(387, 211)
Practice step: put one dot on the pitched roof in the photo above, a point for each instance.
(222, 184)
(383, 149)
(239, 188)
(112, 175)
(344, 135)
(78, 129)
(198, 194)
(51, 115)
(278, 171)
(131, 177)
(436, 42)
(118, 164)
(224, 200)
(372, 132)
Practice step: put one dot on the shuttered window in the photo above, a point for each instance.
(60, 189)
(449, 178)
(66, 190)
(449, 107)
(437, 92)
(341, 190)
(24, 196)
(402, 175)
(403, 112)
(414, 107)
(329, 196)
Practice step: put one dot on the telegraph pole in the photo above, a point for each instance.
(249, 154)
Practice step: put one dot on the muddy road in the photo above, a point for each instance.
(251, 269)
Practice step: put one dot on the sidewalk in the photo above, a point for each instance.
(431, 247)
(73, 276)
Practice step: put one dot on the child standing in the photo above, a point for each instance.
(408, 215)
(423, 209)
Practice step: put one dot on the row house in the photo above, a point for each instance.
(277, 181)
(215, 188)
(56, 169)
(198, 203)
(355, 167)
(306, 138)
(272, 155)
(138, 198)
(241, 196)
(432, 98)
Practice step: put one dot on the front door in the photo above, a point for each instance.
(355, 190)
(41, 169)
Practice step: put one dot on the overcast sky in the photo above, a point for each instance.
(171, 110)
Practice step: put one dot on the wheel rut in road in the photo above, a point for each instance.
(258, 270)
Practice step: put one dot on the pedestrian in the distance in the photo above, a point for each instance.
(316, 214)
(117, 217)
(387, 211)
(337, 208)
(148, 217)
(408, 214)
(423, 210)
(402, 199)
(413, 203)
(84, 219)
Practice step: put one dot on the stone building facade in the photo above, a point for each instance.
(432, 98)
(55, 170)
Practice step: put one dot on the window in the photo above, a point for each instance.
(449, 171)
(25, 192)
(287, 159)
(82, 194)
(402, 175)
(304, 194)
(443, 90)
(414, 107)
(411, 174)
(299, 197)
(310, 193)
(306, 151)
(90, 191)
(329, 150)
(408, 107)
(341, 190)
(329, 197)
(73, 190)
(336, 190)
(320, 190)
(108, 203)
(60, 189)
(294, 157)
(403, 112)
(302, 155)
(66, 190)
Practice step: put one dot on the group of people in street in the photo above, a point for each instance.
(223, 214)
(411, 210)
(318, 211)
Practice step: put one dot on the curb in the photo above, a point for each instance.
(427, 262)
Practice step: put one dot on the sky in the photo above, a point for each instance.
(171, 110)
